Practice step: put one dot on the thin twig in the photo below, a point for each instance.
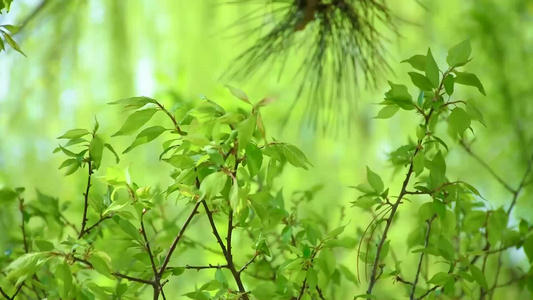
(86, 199)
(426, 243)
(177, 239)
(147, 244)
(256, 254)
(487, 167)
(22, 226)
(210, 266)
(395, 206)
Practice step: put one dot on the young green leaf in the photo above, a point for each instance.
(136, 121)
(417, 61)
(74, 133)
(479, 277)
(459, 54)
(420, 81)
(374, 180)
(459, 121)
(96, 150)
(134, 102)
(239, 94)
(213, 184)
(387, 112)
(469, 79)
(147, 135)
(432, 70)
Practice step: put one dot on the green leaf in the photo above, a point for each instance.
(446, 249)
(295, 156)
(213, 184)
(327, 262)
(219, 276)
(496, 225)
(374, 180)
(25, 266)
(239, 94)
(12, 43)
(312, 278)
(64, 277)
(449, 81)
(7, 195)
(147, 135)
(474, 221)
(432, 70)
(387, 112)
(437, 168)
(470, 80)
(440, 278)
(100, 265)
(43, 245)
(245, 131)
(418, 163)
(181, 161)
(335, 232)
(418, 62)
(96, 150)
(177, 271)
(12, 28)
(254, 158)
(110, 148)
(136, 121)
(420, 81)
(74, 133)
(459, 121)
(459, 54)
(134, 102)
(479, 277)
(399, 95)
(528, 248)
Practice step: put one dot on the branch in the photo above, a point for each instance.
(256, 254)
(14, 295)
(86, 200)
(177, 239)
(147, 244)
(403, 191)
(302, 289)
(227, 254)
(88, 229)
(428, 292)
(178, 129)
(210, 266)
(487, 167)
(426, 243)
(22, 226)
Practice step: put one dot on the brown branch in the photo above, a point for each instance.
(178, 129)
(22, 226)
(403, 191)
(428, 292)
(88, 229)
(210, 266)
(487, 167)
(177, 239)
(419, 268)
(86, 200)
(256, 254)
(227, 254)
(302, 290)
(14, 295)
(147, 244)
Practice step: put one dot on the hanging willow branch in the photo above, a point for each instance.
(332, 43)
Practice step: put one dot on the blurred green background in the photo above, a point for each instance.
(82, 54)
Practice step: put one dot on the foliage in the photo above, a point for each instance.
(456, 227)
(6, 31)
(222, 172)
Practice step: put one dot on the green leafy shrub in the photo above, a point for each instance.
(224, 172)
